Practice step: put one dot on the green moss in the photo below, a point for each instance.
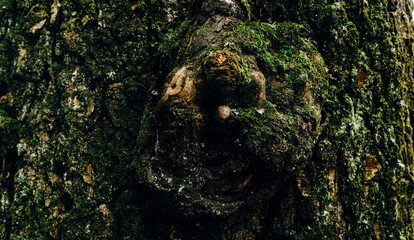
(173, 38)
(36, 14)
(255, 121)
(7, 123)
(280, 49)
(244, 69)
(114, 40)
(143, 133)
(9, 130)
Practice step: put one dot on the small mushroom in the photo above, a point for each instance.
(223, 112)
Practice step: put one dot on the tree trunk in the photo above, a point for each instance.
(225, 119)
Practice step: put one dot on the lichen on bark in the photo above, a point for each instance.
(80, 89)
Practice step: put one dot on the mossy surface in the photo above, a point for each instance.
(78, 79)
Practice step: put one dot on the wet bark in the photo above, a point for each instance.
(91, 123)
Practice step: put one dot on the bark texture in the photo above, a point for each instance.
(114, 117)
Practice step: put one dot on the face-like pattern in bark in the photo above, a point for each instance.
(229, 134)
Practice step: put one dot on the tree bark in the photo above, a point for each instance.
(187, 119)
